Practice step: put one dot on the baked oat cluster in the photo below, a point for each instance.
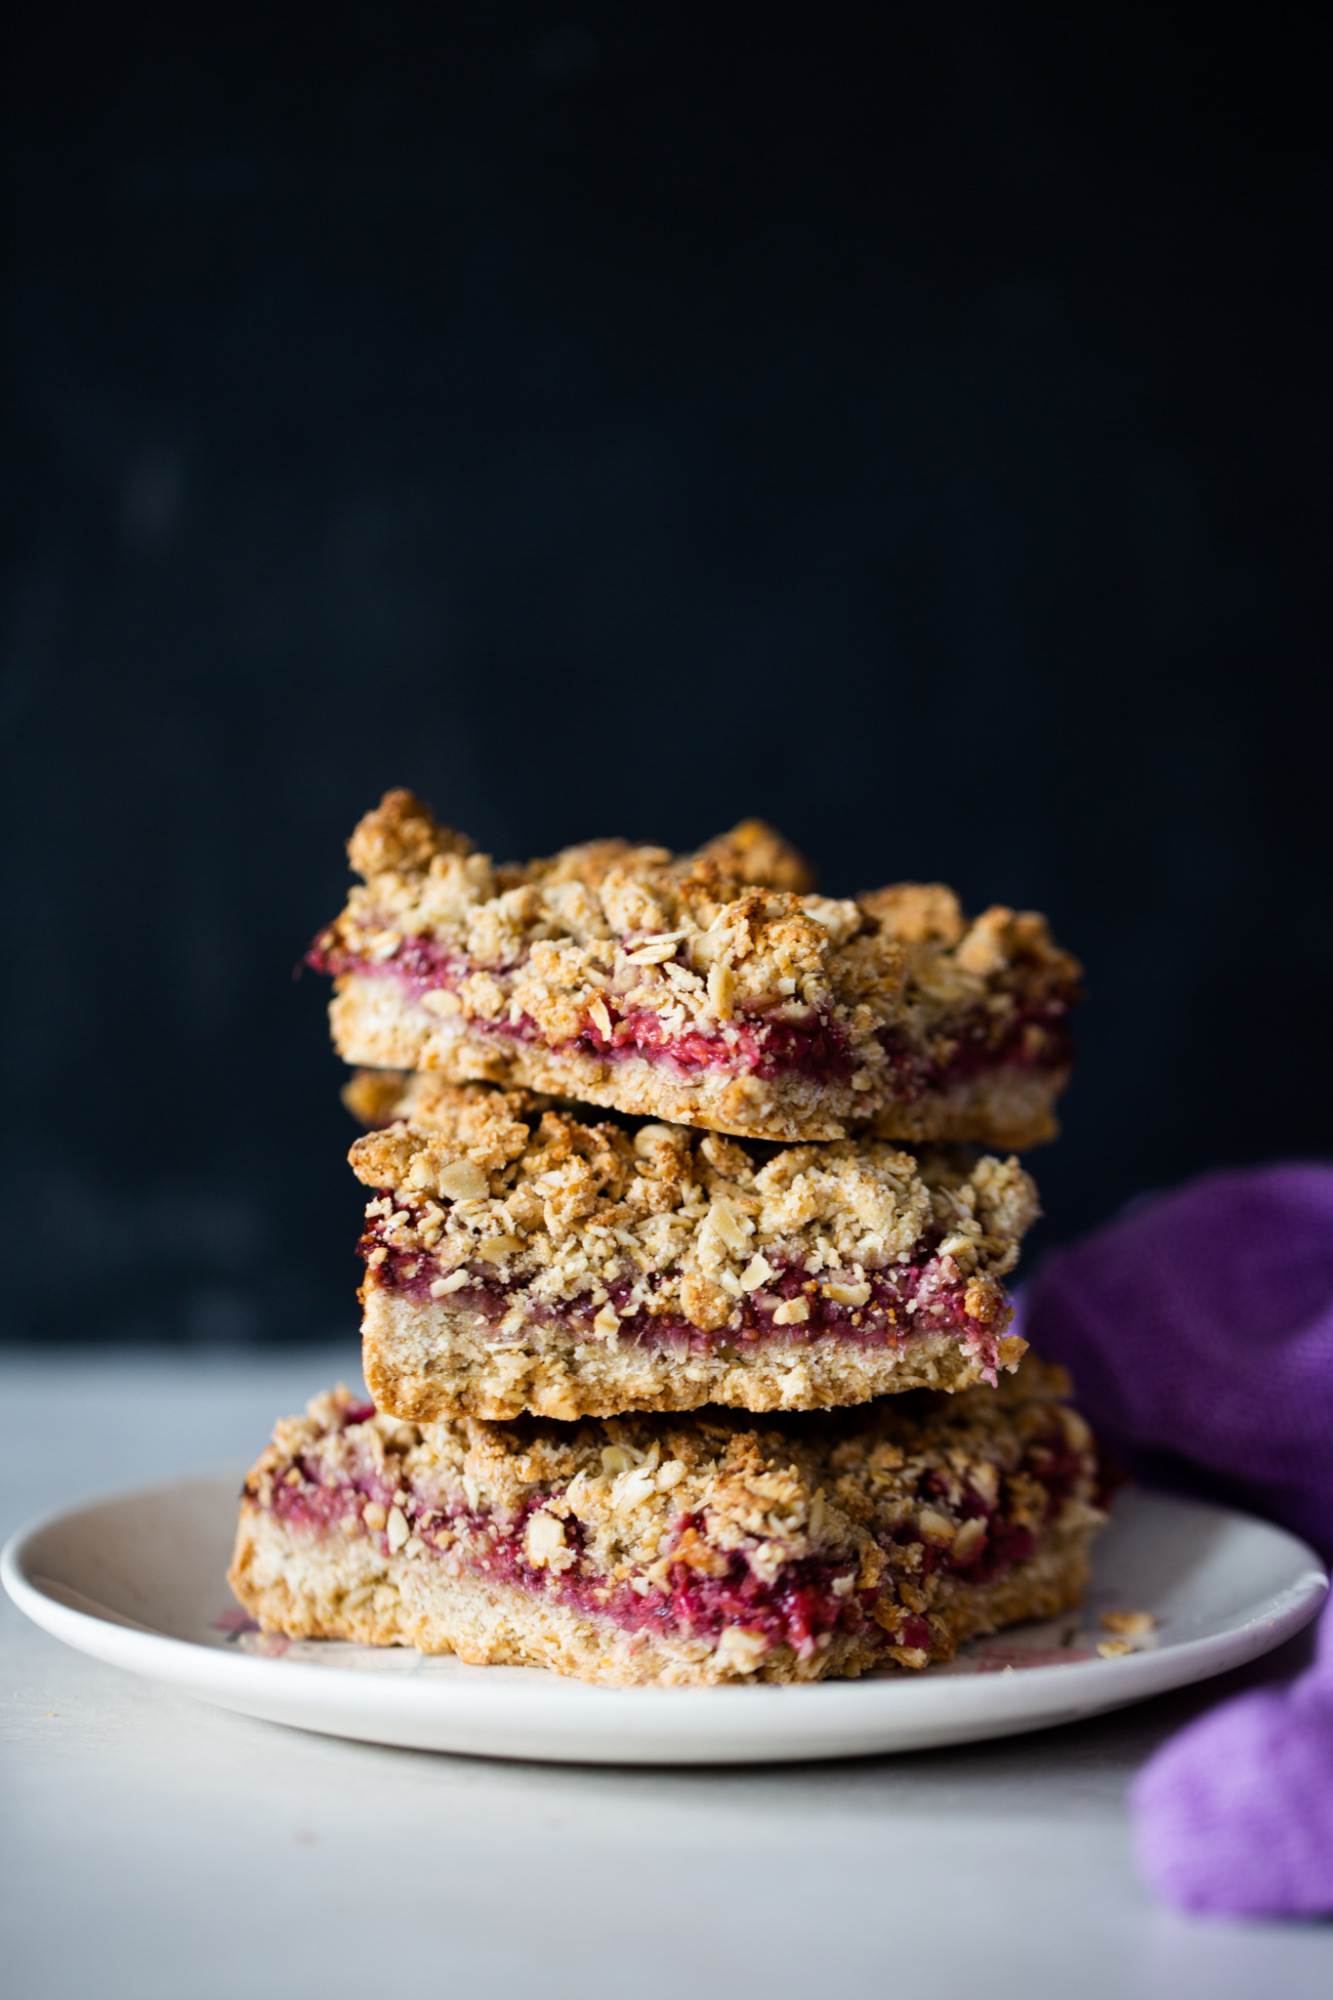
(712, 989)
(684, 1315)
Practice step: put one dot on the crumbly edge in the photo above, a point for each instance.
(333, 1586)
(522, 1456)
(704, 945)
(506, 1187)
(1011, 1106)
(379, 1027)
(376, 1022)
(1008, 1107)
(425, 1361)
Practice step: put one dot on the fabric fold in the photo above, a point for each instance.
(1198, 1328)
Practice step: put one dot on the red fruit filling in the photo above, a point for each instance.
(1034, 1035)
(753, 1043)
(926, 1295)
(706, 1590)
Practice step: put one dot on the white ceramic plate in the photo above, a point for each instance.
(138, 1581)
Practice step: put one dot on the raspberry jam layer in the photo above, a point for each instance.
(754, 1043)
(1032, 1035)
(1035, 1039)
(705, 1590)
(905, 1302)
(762, 1048)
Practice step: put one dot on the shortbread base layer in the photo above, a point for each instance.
(424, 1361)
(1005, 1107)
(377, 1023)
(331, 1586)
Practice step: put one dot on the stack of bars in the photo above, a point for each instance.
(684, 1314)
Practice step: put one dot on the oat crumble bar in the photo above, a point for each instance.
(524, 1256)
(700, 1549)
(711, 989)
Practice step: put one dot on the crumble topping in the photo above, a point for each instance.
(723, 958)
(665, 1219)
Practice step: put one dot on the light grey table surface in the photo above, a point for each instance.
(151, 1846)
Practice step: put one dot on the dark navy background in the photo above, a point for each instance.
(911, 423)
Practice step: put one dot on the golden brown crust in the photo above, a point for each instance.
(575, 975)
(636, 1503)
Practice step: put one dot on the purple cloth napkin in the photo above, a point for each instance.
(1198, 1328)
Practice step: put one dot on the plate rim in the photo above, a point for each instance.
(304, 1694)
